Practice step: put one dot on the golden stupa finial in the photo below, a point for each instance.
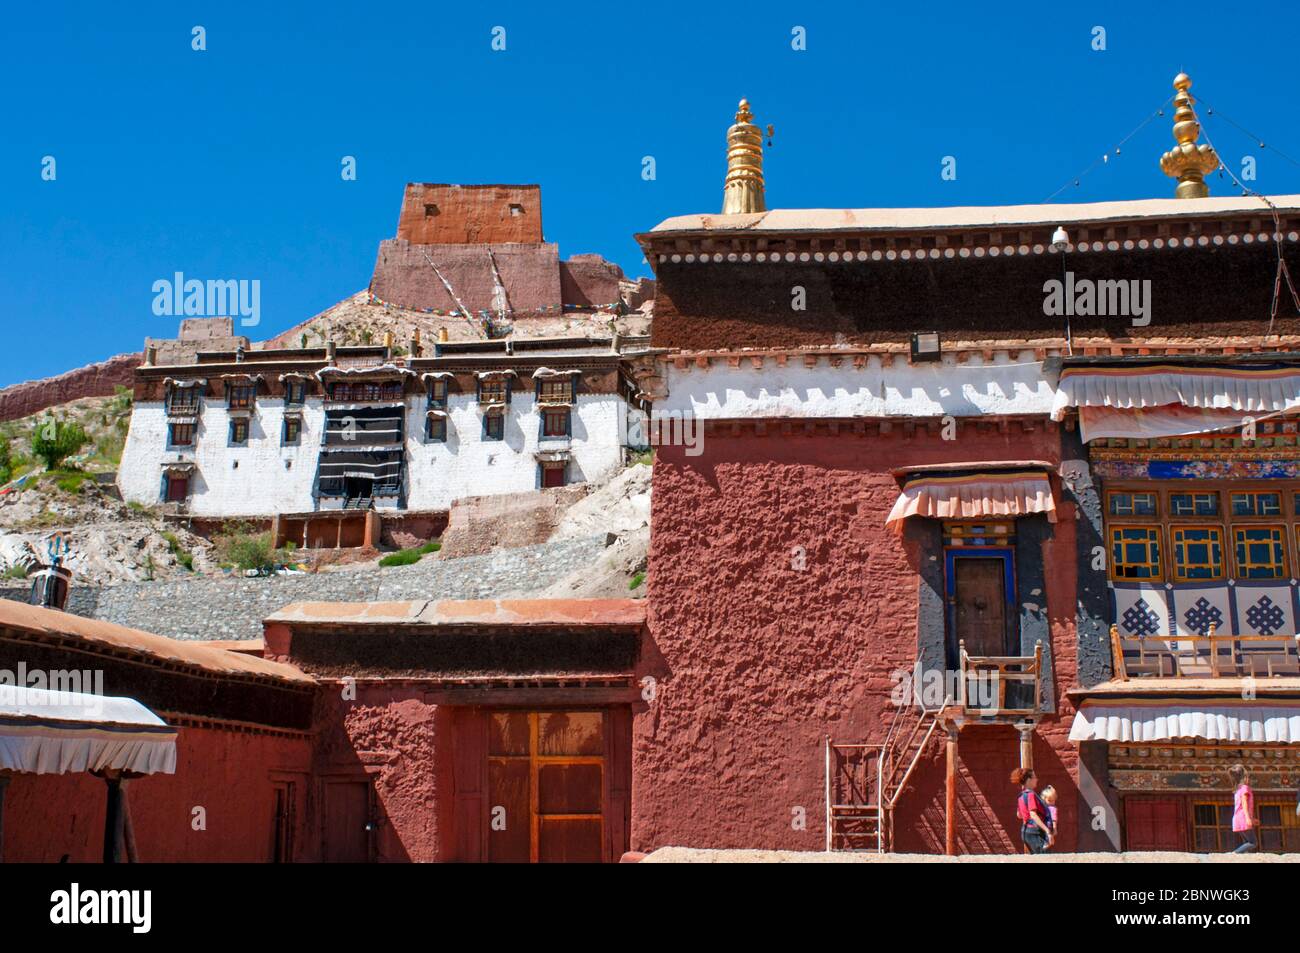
(743, 190)
(1188, 162)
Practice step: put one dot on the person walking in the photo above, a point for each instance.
(1244, 819)
(1034, 829)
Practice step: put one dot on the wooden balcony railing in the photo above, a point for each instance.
(1001, 685)
(1205, 656)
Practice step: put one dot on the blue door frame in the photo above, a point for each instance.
(1007, 556)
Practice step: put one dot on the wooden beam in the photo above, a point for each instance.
(950, 795)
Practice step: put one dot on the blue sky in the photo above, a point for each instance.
(226, 163)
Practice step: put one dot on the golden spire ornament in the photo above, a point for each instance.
(1187, 162)
(743, 190)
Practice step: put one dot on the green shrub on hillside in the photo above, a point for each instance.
(53, 441)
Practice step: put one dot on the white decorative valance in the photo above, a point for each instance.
(484, 375)
(436, 375)
(55, 732)
(375, 370)
(548, 372)
(1159, 720)
(188, 382)
(1257, 389)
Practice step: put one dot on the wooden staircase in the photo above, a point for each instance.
(864, 782)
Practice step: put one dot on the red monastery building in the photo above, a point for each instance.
(985, 447)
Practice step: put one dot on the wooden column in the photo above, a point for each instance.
(1026, 744)
(950, 795)
(113, 819)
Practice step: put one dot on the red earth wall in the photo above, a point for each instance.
(93, 380)
(227, 773)
(757, 662)
(470, 214)
(393, 736)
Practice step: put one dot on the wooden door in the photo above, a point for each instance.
(1155, 823)
(547, 797)
(980, 605)
(347, 822)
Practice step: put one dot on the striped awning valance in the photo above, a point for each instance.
(974, 494)
(56, 732)
(1219, 719)
(1248, 389)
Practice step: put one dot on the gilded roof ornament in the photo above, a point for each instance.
(743, 190)
(1188, 162)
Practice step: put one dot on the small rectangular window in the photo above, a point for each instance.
(555, 423)
(239, 430)
(1261, 552)
(494, 426)
(292, 429)
(552, 474)
(180, 435)
(1132, 504)
(435, 428)
(1193, 504)
(1198, 553)
(1256, 504)
(241, 396)
(1135, 552)
(438, 394)
(295, 392)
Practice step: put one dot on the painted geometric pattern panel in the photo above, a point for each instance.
(1141, 610)
(1265, 610)
(1189, 609)
(1197, 607)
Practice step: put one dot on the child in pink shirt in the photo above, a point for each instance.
(1243, 809)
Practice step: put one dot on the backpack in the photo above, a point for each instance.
(1023, 807)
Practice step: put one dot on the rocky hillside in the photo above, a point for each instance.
(108, 540)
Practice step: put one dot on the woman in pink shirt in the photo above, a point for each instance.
(1244, 820)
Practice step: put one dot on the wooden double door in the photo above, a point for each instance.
(549, 786)
(981, 603)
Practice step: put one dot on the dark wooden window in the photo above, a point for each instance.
(435, 428)
(295, 392)
(555, 422)
(493, 390)
(494, 426)
(292, 429)
(239, 430)
(438, 394)
(555, 390)
(183, 400)
(240, 396)
(553, 474)
(180, 435)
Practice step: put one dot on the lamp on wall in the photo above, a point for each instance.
(925, 346)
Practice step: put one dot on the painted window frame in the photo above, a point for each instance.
(1288, 522)
(235, 423)
(1007, 554)
(1157, 536)
(500, 417)
(564, 413)
(245, 401)
(295, 392)
(190, 408)
(296, 439)
(435, 428)
(1177, 573)
(171, 436)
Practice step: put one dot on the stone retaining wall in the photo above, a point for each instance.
(233, 607)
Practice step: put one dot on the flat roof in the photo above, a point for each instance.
(52, 627)
(967, 216)
(474, 612)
